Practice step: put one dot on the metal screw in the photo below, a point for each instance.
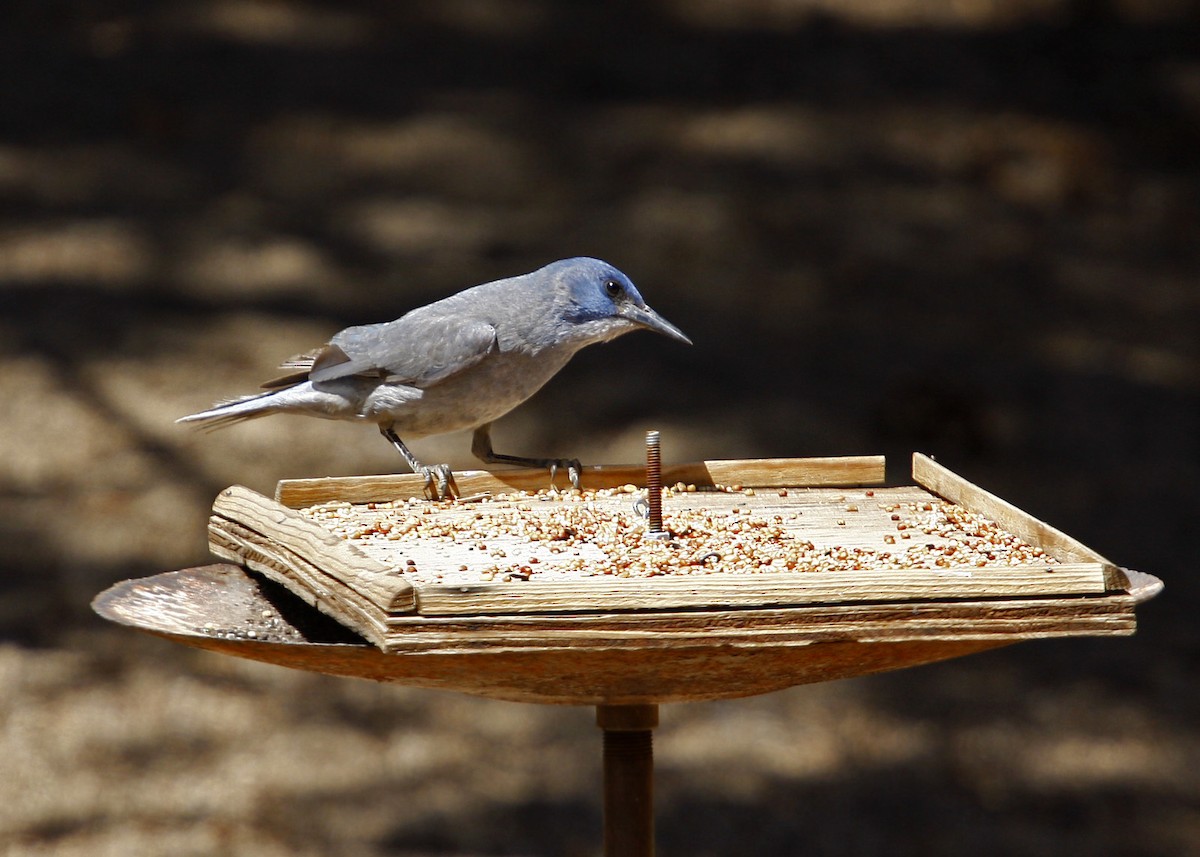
(654, 486)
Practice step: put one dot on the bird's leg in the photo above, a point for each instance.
(481, 448)
(440, 471)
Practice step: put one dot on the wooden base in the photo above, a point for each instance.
(224, 608)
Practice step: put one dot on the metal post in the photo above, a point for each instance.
(628, 778)
(654, 485)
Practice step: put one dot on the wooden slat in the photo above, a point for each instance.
(1114, 625)
(759, 590)
(763, 472)
(230, 541)
(779, 618)
(317, 546)
(980, 620)
(945, 483)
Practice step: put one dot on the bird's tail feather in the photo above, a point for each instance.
(232, 411)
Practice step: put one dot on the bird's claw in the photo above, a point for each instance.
(574, 469)
(444, 477)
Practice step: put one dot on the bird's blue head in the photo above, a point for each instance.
(602, 303)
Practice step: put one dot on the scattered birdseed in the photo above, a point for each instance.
(550, 535)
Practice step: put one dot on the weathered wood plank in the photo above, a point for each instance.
(765, 472)
(231, 541)
(1116, 626)
(306, 539)
(945, 483)
(814, 615)
(946, 621)
(759, 590)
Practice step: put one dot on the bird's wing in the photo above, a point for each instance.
(299, 365)
(419, 350)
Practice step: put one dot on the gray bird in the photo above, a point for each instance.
(461, 362)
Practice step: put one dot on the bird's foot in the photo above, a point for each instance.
(442, 476)
(445, 487)
(572, 465)
(481, 446)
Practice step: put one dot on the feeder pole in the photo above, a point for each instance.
(628, 778)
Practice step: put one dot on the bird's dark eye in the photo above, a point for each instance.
(613, 288)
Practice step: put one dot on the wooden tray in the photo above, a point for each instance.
(1075, 591)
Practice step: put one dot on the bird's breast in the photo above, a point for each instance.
(483, 393)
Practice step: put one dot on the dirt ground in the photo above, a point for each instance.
(968, 228)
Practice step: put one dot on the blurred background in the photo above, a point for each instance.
(966, 227)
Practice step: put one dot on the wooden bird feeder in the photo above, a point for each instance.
(453, 596)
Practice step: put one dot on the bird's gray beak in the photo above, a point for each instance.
(649, 319)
